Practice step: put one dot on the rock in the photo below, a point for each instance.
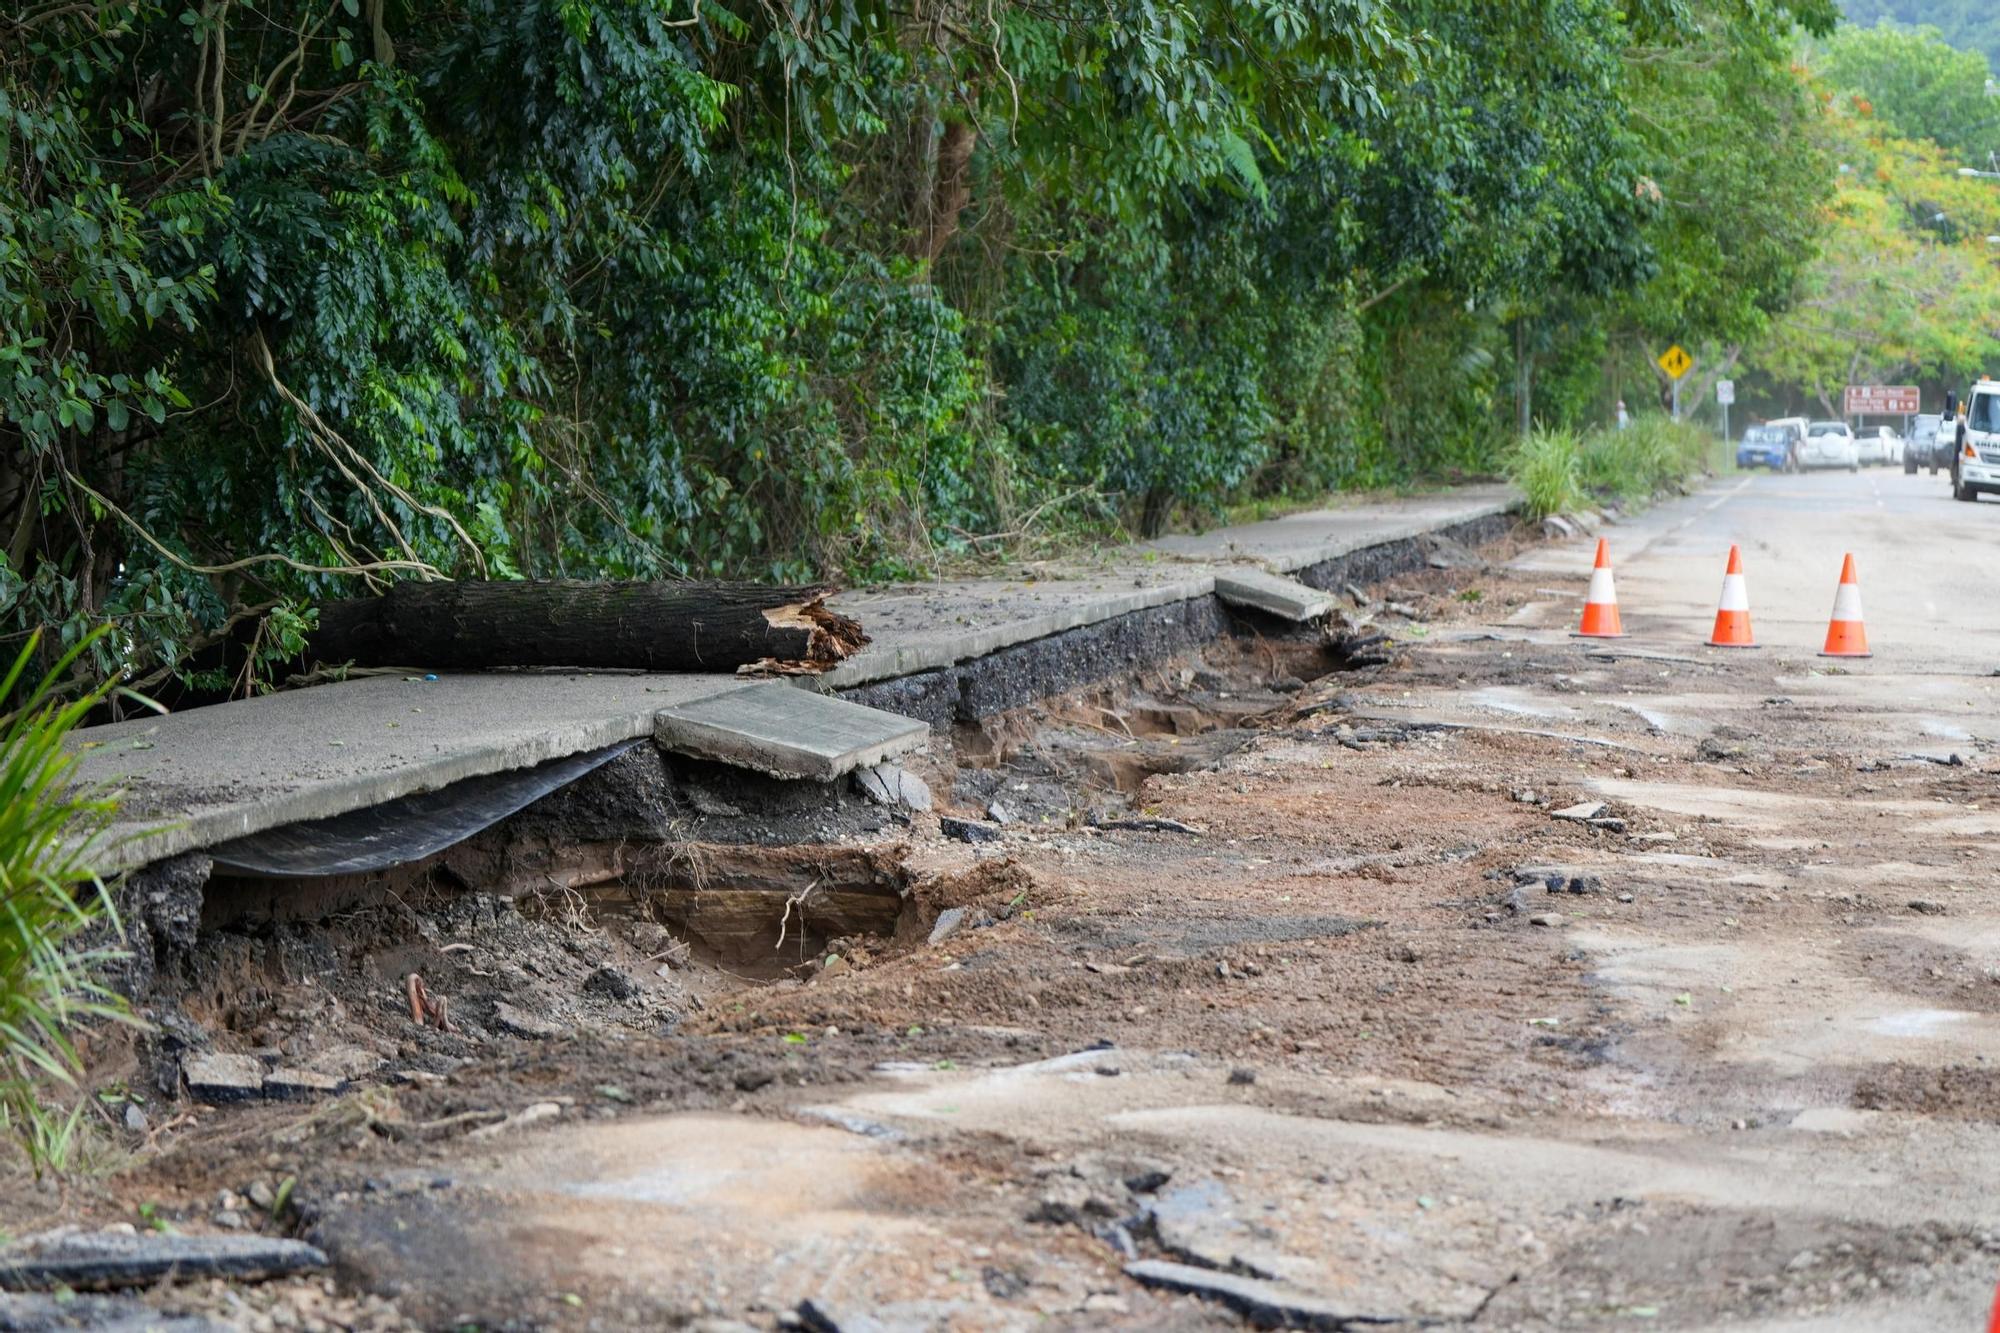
(611, 984)
(967, 830)
(524, 1024)
(1925, 907)
(999, 813)
(220, 1079)
(947, 925)
(1557, 528)
(528, 1115)
(1242, 1078)
(1654, 837)
(835, 966)
(135, 1119)
(888, 784)
(349, 1062)
(1583, 884)
(1265, 1303)
(228, 1219)
(72, 1313)
(91, 1260)
(1608, 823)
(1582, 813)
(262, 1195)
(300, 1085)
(1546, 919)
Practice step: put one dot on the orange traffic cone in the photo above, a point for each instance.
(1732, 616)
(1845, 636)
(1600, 606)
(1993, 1324)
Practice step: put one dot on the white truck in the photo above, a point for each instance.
(1975, 467)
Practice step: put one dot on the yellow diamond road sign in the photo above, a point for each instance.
(1676, 362)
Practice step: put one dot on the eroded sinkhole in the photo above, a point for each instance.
(631, 889)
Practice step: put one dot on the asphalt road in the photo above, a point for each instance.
(1929, 565)
(1524, 982)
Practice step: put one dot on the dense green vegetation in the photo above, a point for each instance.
(300, 297)
(1907, 283)
(1969, 25)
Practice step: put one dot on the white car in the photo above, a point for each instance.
(1831, 444)
(1879, 445)
(1975, 468)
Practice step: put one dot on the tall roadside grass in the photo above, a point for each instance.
(50, 894)
(1548, 467)
(1560, 471)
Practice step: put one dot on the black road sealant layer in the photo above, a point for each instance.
(1027, 672)
(1110, 649)
(1372, 564)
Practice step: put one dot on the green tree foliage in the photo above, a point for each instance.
(1917, 85)
(1970, 25)
(1907, 284)
(307, 296)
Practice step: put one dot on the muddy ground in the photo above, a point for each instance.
(1261, 968)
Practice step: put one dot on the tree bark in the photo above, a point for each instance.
(471, 626)
(951, 189)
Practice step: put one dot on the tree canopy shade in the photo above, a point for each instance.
(301, 298)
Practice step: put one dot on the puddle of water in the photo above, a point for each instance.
(1520, 703)
(1916, 1022)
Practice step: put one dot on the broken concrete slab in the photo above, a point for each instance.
(787, 732)
(104, 1259)
(218, 1078)
(207, 775)
(1582, 813)
(300, 1085)
(967, 830)
(888, 784)
(1273, 594)
(1264, 1303)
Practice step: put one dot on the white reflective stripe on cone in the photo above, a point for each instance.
(1735, 593)
(1847, 602)
(1601, 590)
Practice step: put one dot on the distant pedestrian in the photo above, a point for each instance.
(1624, 417)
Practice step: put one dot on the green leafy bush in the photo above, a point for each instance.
(301, 297)
(1656, 454)
(49, 897)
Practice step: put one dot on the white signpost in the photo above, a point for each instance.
(1725, 394)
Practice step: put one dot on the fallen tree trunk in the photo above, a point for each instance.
(471, 626)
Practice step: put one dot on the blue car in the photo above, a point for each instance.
(1774, 445)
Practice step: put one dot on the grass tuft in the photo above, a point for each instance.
(1548, 467)
(50, 894)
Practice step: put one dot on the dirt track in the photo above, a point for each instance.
(1343, 1038)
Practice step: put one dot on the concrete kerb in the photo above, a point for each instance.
(194, 779)
(890, 660)
(200, 778)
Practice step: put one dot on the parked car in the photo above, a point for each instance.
(1879, 446)
(1976, 468)
(1831, 444)
(1795, 427)
(1926, 446)
(1771, 445)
